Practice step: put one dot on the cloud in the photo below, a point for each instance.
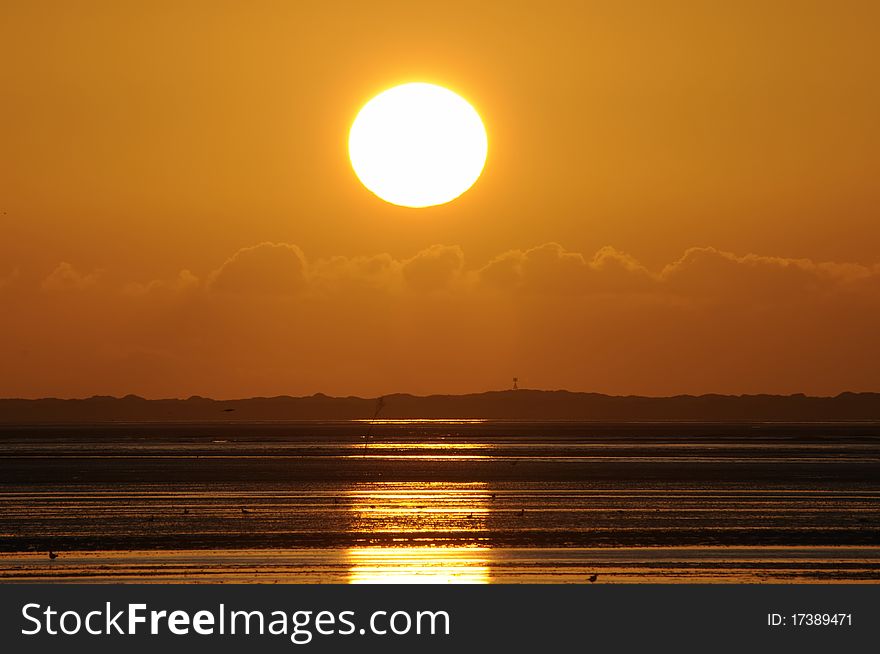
(434, 268)
(706, 272)
(376, 272)
(264, 269)
(550, 268)
(700, 274)
(710, 320)
(67, 278)
(183, 283)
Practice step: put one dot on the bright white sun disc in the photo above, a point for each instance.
(418, 145)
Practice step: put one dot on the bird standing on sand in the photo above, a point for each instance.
(52, 555)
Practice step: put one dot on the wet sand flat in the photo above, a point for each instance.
(444, 502)
(452, 564)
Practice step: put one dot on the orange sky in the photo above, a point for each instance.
(679, 197)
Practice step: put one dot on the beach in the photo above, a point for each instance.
(441, 501)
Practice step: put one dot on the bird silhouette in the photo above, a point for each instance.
(52, 555)
(592, 578)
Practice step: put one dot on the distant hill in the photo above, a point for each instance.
(505, 405)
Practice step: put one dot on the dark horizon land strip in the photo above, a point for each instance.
(517, 404)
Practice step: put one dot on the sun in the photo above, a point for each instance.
(418, 145)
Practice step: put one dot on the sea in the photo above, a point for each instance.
(434, 501)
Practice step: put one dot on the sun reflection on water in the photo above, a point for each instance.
(418, 565)
(442, 522)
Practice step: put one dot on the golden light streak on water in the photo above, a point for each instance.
(420, 507)
(418, 565)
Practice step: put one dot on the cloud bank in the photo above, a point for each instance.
(270, 320)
